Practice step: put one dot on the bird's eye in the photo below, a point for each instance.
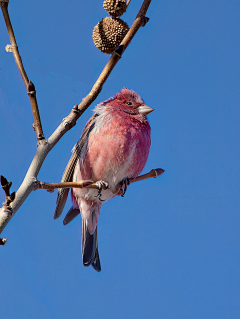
(129, 103)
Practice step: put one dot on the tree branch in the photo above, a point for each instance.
(28, 84)
(90, 184)
(44, 147)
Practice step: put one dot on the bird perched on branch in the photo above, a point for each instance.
(113, 148)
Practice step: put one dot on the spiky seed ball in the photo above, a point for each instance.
(115, 8)
(109, 33)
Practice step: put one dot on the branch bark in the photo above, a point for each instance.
(45, 145)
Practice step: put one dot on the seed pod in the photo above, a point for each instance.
(115, 8)
(109, 33)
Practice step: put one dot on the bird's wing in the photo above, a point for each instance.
(68, 173)
(72, 213)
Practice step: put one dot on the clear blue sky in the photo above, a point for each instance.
(170, 248)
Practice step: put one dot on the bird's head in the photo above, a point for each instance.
(129, 102)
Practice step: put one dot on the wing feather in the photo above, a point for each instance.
(69, 170)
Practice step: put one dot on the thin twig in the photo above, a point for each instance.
(28, 84)
(144, 8)
(52, 186)
(154, 173)
(90, 184)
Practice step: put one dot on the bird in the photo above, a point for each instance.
(113, 148)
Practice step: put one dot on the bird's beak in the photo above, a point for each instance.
(144, 109)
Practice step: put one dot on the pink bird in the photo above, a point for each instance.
(113, 148)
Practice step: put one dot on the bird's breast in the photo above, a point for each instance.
(116, 149)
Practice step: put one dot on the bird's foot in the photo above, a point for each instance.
(124, 185)
(101, 185)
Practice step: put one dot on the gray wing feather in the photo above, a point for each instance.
(72, 213)
(67, 177)
(69, 170)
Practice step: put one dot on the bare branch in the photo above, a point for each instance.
(90, 184)
(52, 186)
(37, 126)
(152, 174)
(28, 84)
(144, 8)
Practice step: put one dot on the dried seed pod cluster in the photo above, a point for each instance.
(109, 33)
(115, 8)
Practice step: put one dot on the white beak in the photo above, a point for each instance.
(144, 109)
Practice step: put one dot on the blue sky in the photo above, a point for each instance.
(170, 248)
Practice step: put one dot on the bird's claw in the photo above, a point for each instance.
(100, 185)
(124, 185)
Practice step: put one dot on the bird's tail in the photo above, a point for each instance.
(90, 247)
